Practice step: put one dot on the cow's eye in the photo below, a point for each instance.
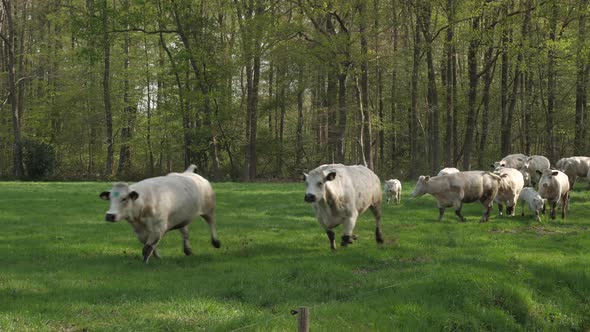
(124, 199)
(319, 184)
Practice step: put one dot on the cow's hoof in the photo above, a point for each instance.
(216, 243)
(345, 240)
(188, 251)
(354, 237)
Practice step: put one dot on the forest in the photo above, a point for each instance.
(261, 90)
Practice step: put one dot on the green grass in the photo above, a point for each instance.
(62, 268)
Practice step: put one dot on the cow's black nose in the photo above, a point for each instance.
(109, 217)
(310, 198)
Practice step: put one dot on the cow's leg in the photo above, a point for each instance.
(210, 219)
(552, 212)
(522, 210)
(376, 210)
(543, 210)
(150, 245)
(399, 196)
(156, 254)
(331, 238)
(565, 205)
(441, 212)
(349, 224)
(501, 208)
(458, 206)
(186, 245)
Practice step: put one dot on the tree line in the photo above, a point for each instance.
(264, 89)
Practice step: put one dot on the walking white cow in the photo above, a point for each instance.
(393, 189)
(533, 164)
(554, 186)
(510, 186)
(453, 190)
(339, 194)
(575, 167)
(157, 205)
(516, 160)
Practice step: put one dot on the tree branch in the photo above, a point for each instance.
(154, 32)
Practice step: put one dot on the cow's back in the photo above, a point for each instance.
(175, 197)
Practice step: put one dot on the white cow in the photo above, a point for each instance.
(157, 205)
(448, 170)
(554, 186)
(393, 189)
(510, 186)
(512, 160)
(453, 190)
(533, 164)
(575, 167)
(534, 200)
(339, 194)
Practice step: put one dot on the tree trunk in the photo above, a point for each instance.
(341, 128)
(413, 116)
(379, 78)
(471, 110)
(128, 109)
(581, 82)
(366, 121)
(551, 84)
(485, 116)
(106, 88)
(9, 43)
(432, 96)
(449, 88)
(300, 95)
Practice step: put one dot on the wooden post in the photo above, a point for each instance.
(303, 320)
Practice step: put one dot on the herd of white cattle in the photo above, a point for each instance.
(339, 194)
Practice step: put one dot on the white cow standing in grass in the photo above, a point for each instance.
(393, 189)
(575, 167)
(510, 186)
(157, 205)
(340, 194)
(516, 160)
(555, 187)
(453, 190)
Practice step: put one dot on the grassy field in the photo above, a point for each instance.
(62, 268)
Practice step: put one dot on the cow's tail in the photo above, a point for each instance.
(191, 169)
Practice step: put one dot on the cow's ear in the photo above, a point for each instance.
(427, 177)
(133, 195)
(520, 159)
(303, 176)
(331, 176)
(504, 175)
(554, 173)
(539, 172)
(105, 195)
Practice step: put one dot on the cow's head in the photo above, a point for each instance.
(315, 183)
(547, 180)
(538, 202)
(498, 164)
(421, 185)
(121, 198)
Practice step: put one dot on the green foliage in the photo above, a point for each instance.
(64, 268)
(39, 159)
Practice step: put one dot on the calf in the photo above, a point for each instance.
(554, 186)
(393, 189)
(533, 199)
(453, 190)
(339, 194)
(157, 205)
(447, 170)
(510, 186)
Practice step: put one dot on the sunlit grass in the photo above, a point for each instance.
(62, 268)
